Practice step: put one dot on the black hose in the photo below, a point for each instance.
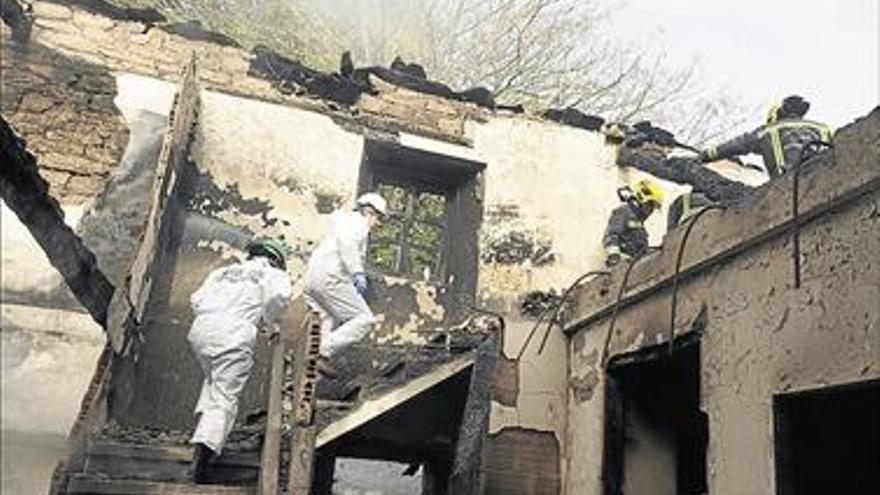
(620, 292)
(534, 329)
(675, 279)
(561, 303)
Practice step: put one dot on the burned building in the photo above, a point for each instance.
(490, 205)
(742, 357)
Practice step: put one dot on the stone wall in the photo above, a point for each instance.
(761, 335)
(63, 107)
(58, 91)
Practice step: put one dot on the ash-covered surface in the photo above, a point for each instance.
(246, 435)
(536, 303)
(366, 371)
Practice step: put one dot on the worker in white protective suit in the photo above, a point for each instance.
(335, 281)
(229, 306)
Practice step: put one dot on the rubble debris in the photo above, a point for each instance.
(644, 132)
(147, 15)
(246, 435)
(410, 69)
(293, 77)
(193, 30)
(515, 247)
(346, 86)
(574, 117)
(537, 302)
(27, 194)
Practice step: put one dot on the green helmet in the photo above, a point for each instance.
(272, 249)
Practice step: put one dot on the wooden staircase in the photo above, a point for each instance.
(113, 467)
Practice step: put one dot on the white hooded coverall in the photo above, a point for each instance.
(329, 290)
(228, 306)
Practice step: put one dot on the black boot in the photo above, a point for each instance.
(198, 469)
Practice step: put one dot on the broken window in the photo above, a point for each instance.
(657, 435)
(828, 440)
(436, 209)
(411, 241)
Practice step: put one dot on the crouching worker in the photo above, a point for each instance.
(229, 306)
(625, 236)
(336, 282)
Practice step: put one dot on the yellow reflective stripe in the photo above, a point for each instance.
(713, 152)
(778, 155)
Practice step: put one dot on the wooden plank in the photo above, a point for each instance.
(129, 301)
(269, 462)
(371, 409)
(89, 484)
(302, 460)
(169, 453)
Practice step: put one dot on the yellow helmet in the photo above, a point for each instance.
(647, 191)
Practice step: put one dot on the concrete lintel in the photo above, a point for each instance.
(374, 408)
(840, 176)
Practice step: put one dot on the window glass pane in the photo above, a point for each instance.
(431, 208)
(426, 236)
(395, 195)
(384, 256)
(424, 263)
(414, 227)
(389, 229)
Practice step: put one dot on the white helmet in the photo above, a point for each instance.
(377, 202)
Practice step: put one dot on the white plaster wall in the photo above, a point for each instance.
(279, 154)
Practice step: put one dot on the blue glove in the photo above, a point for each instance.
(360, 282)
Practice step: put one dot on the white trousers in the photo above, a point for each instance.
(345, 316)
(226, 369)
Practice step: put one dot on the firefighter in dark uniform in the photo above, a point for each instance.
(625, 236)
(784, 142)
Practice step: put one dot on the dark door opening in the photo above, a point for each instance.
(828, 440)
(656, 434)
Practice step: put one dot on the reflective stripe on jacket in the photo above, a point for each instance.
(783, 144)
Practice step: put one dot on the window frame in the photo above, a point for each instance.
(460, 181)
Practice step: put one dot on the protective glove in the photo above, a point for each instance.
(612, 259)
(360, 283)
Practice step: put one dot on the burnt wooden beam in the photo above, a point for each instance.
(26, 193)
(129, 302)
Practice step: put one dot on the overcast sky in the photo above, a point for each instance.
(761, 50)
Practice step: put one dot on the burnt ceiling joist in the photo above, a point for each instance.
(26, 193)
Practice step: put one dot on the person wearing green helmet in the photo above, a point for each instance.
(230, 305)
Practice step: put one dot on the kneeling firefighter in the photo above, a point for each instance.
(625, 236)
